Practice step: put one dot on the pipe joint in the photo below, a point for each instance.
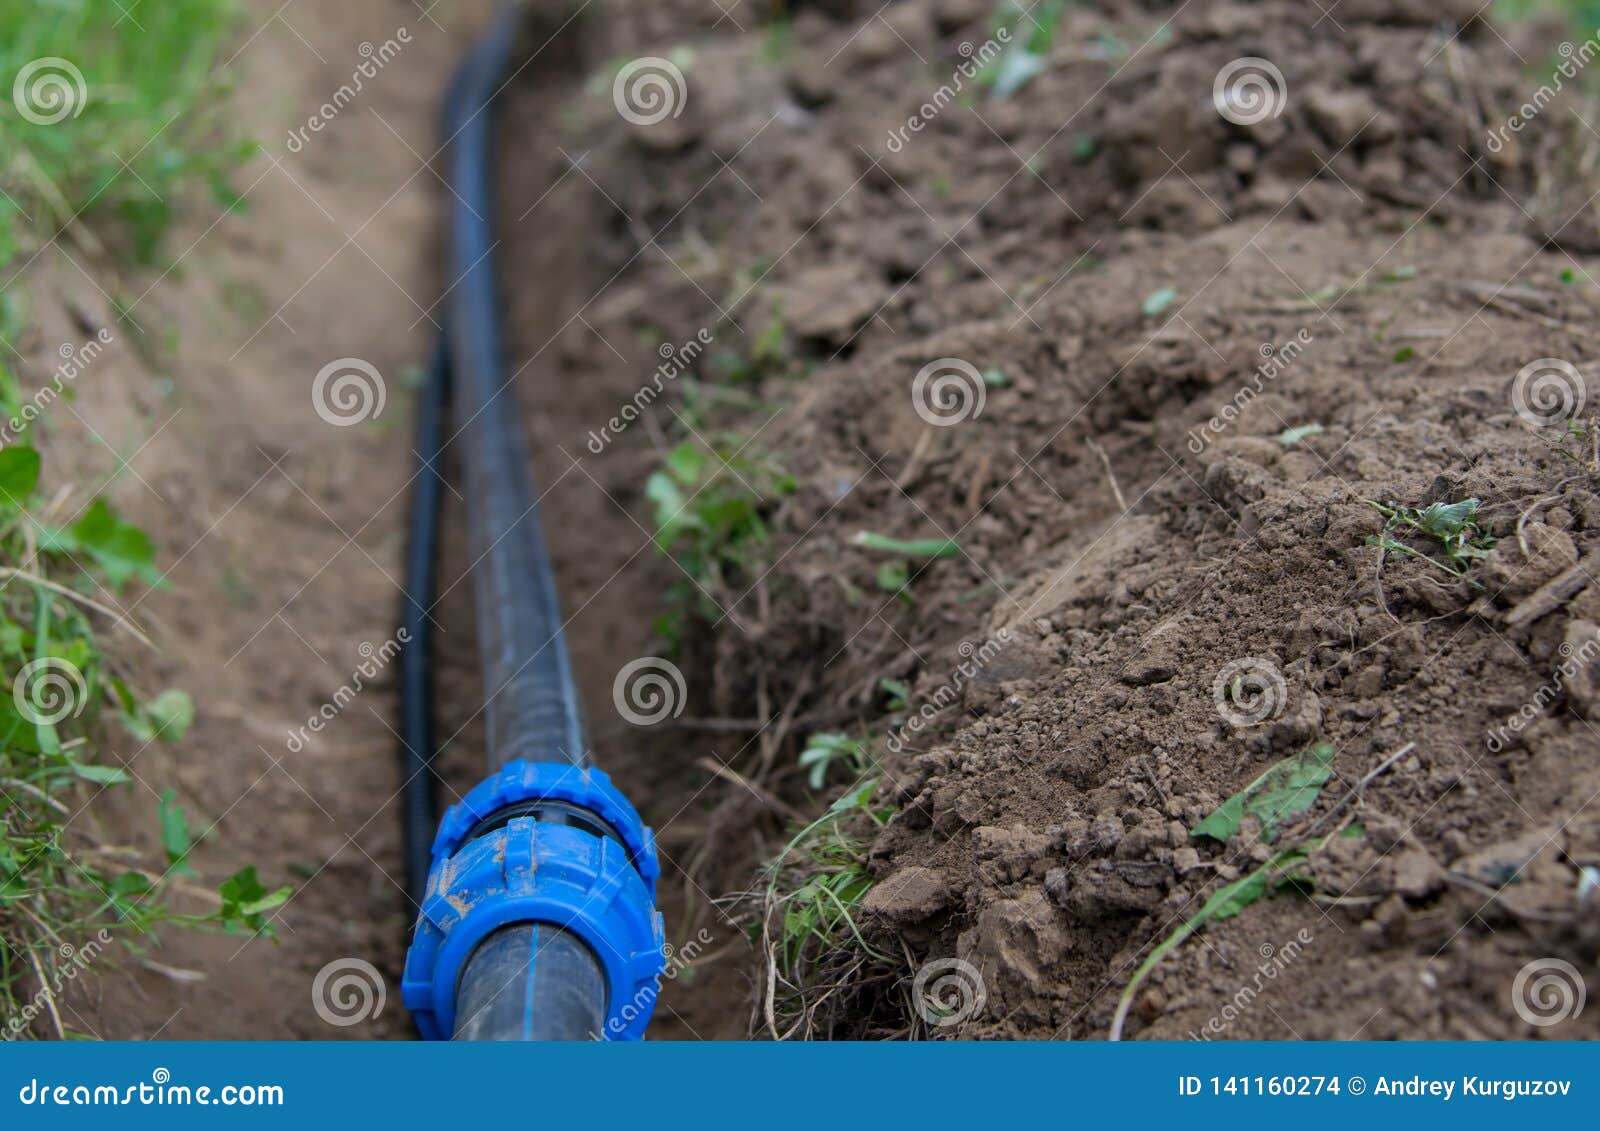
(541, 842)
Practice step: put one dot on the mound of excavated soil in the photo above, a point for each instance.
(1155, 294)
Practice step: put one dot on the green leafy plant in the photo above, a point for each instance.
(898, 692)
(767, 355)
(1288, 788)
(709, 507)
(824, 751)
(1283, 871)
(895, 577)
(1032, 30)
(1453, 526)
(1285, 789)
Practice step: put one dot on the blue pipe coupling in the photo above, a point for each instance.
(541, 842)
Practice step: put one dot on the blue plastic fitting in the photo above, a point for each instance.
(529, 871)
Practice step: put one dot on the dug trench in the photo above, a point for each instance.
(1176, 532)
(1038, 626)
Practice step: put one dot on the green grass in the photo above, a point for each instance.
(816, 949)
(146, 122)
(58, 887)
(116, 115)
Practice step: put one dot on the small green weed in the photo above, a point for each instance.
(1453, 526)
(768, 356)
(825, 751)
(1283, 871)
(710, 503)
(1032, 29)
(1287, 789)
(1289, 437)
(1336, 292)
(778, 39)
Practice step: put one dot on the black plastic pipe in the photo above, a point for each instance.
(532, 706)
(525, 981)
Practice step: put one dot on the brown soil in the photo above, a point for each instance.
(1042, 827)
(1042, 815)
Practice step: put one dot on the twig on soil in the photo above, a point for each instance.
(1554, 593)
(49, 998)
(1359, 788)
(1111, 476)
(776, 804)
(37, 793)
(117, 618)
(773, 738)
(719, 726)
(1496, 298)
(1493, 894)
(980, 480)
(919, 453)
(770, 997)
(1522, 519)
